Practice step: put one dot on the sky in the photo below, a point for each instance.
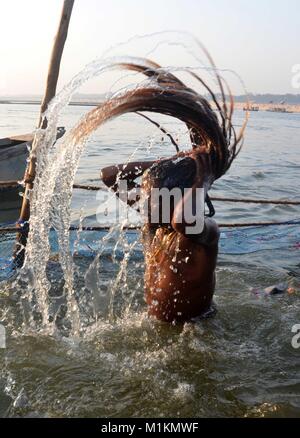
(259, 39)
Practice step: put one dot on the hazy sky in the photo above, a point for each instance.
(259, 38)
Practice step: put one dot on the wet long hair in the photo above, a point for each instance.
(164, 93)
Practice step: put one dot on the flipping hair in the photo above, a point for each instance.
(164, 93)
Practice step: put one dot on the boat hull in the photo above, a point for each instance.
(10, 204)
(14, 152)
(13, 162)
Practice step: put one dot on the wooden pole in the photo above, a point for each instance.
(53, 73)
(56, 55)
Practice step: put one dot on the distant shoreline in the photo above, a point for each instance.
(269, 106)
(35, 102)
(238, 105)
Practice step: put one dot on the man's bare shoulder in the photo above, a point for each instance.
(209, 236)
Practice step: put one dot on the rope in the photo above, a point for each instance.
(224, 225)
(90, 187)
(14, 184)
(258, 224)
(128, 228)
(9, 230)
(257, 201)
(9, 184)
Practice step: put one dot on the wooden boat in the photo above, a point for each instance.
(14, 152)
(278, 109)
(251, 108)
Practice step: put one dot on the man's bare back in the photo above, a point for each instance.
(180, 274)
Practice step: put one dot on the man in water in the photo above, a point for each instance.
(180, 262)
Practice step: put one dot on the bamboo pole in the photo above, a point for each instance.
(57, 51)
(52, 78)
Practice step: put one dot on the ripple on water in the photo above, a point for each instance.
(239, 363)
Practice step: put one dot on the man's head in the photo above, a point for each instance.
(171, 177)
(173, 173)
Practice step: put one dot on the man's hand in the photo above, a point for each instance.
(129, 171)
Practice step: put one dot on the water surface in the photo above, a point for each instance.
(239, 363)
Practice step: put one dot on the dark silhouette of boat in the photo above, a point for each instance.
(278, 108)
(251, 108)
(14, 152)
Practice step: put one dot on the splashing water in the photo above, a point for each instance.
(51, 197)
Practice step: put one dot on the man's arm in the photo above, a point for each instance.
(182, 222)
(129, 171)
(112, 174)
(209, 235)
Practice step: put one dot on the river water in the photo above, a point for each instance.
(239, 363)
